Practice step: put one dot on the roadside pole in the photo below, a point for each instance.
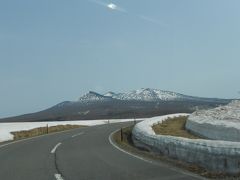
(121, 134)
(134, 118)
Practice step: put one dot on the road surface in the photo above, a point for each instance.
(79, 154)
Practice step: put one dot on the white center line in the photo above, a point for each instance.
(58, 176)
(77, 134)
(55, 148)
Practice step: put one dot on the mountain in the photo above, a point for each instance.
(144, 94)
(150, 95)
(93, 96)
(144, 102)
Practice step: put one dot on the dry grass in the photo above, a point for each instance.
(174, 127)
(126, 139)
(42, 130)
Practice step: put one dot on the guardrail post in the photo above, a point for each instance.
(121, 134)
(47, 128)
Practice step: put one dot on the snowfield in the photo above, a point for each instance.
(7, 128)
(221, 123)
(214, 155)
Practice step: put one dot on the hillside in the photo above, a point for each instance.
(138, 103)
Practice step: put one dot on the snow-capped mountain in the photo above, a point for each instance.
(147, 94)
(144, 94)
(140, 103)
(93, 96)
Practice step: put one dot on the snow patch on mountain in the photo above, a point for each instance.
(65, 103)
(144, 94)
(149, 95)
(93, 96)
(110, 94)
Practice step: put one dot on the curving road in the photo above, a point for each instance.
(79, 154)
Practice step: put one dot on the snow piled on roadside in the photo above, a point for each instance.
(147, 124)
(228, 115)
(216, 155)
(7, 128)
(221, 123)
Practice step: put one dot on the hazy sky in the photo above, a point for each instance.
(56, 50)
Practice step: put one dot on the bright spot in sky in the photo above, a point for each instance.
(112, 6)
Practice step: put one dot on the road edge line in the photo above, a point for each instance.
(126, 152)
(150, 161)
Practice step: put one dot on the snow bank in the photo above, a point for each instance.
(7, 128)
(221, 123)
(214, 155)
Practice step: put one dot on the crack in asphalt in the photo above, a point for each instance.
(59, 175)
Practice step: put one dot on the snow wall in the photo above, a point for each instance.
(214, 155)
(221, 123)
(213, 131)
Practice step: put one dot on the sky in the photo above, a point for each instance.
(57, 50)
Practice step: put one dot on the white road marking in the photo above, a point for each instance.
(55, 148)
(149, 161)
(75, 135)
(58, 176)
(133, 155)
(36, 137)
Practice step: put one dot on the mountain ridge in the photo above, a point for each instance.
(143, 94)
(139, 103)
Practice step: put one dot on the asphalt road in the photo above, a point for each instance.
(79, 154)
